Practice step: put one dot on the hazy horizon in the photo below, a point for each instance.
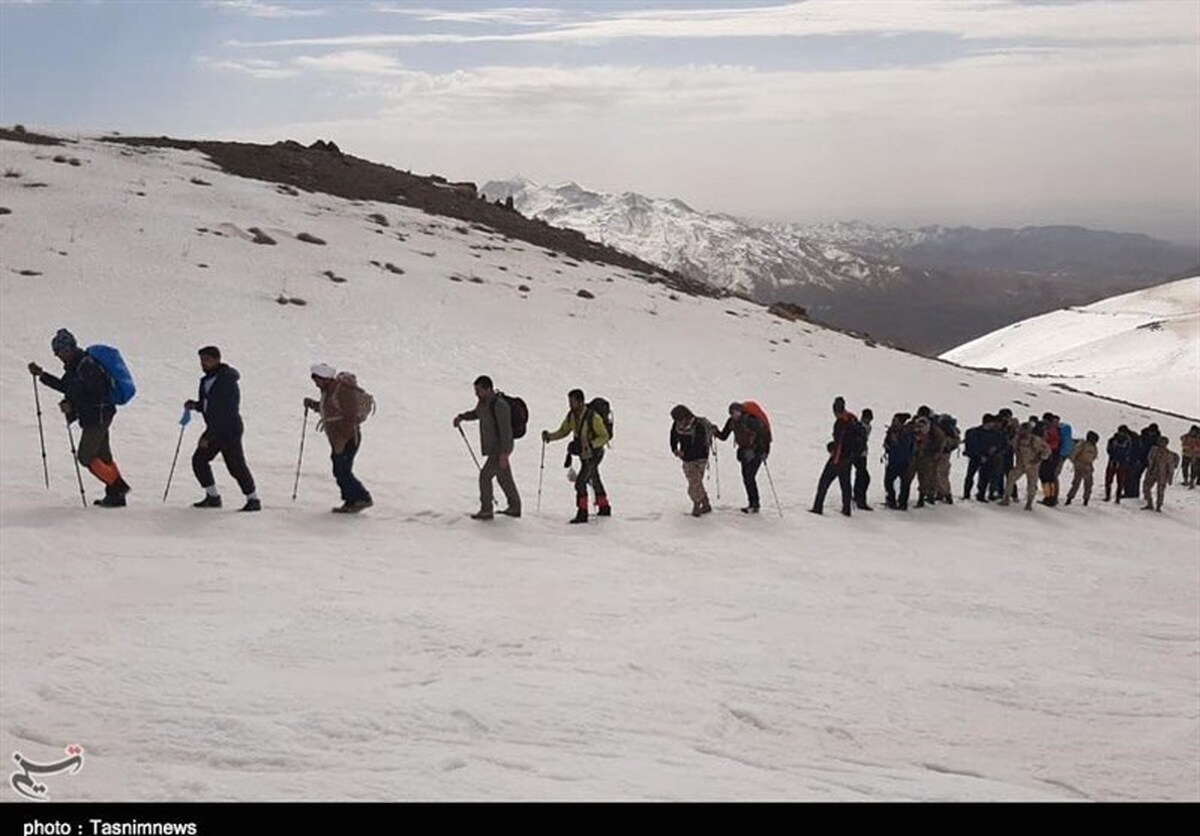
(995, 113)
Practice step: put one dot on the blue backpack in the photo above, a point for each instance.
(1065, 442)
(120, 381)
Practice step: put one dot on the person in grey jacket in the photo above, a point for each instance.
(496, 443)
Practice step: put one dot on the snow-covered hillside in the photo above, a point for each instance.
(1142, 347)
(966, 652)
(725, 251)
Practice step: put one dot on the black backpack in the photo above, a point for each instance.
(856, 441)
(518, 411)
(600, 406)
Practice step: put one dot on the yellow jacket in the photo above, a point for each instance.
(591, 435)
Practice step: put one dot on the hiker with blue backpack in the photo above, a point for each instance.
(92, 390)
(219, 400)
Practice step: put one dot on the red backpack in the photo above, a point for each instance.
(752, 408)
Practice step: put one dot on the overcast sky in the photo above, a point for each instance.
(904, 112)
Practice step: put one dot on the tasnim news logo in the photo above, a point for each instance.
(29, 787)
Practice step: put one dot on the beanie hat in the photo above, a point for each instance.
(324, 370)
(64, 340)
(210, 351)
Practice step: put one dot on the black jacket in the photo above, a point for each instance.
(220, 404)
(748, 433)
(86, 387)
(692, 443)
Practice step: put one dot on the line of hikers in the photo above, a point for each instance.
(1000, 451)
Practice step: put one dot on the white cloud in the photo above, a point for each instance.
(255, 68)
(509, 15)
(1009, 134)
(1168, 21)
(257, 8)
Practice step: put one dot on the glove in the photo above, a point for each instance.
(191, 405)
(309, 403)
(35, 369)
(572, 475)
(65, 406)
(457, 421)
(546, 437)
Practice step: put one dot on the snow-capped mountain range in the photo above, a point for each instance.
(723, 250)
(927, 289)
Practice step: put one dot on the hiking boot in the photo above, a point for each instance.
(1005, 502)
(705, 507)
(605, 511)
(697, 509)
(889, 502)
(344, 508)
(845, 512)
(208, 502)
(359, 505)
(121, 487)
(252, 505)
(752, 509)
(581, 516)
(1146, 507)
(816, 511)
(112, 500)
(1028, 506)
(482, 515)
(1068, 501)
(864, 507)
(512, 512)
(949, 500)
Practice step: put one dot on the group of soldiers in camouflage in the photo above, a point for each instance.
(1001, 451)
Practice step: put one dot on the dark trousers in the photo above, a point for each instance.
(589, 474)
(1119, 473)
(343, 470)
(751, 462)
(235, 462)
(832, 471)
(1133, 478)
(903, 473)
(862, 481)
(981, 467)
(94, 444)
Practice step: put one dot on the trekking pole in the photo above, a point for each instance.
(183, 422)
(541, 473)
(717, 470)
(767, 468)
(470, 450)
(75, 458)
(37, 402)
(300, 458)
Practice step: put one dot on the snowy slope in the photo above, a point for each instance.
(410, 653)
(722, 250)
(1142, 347)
